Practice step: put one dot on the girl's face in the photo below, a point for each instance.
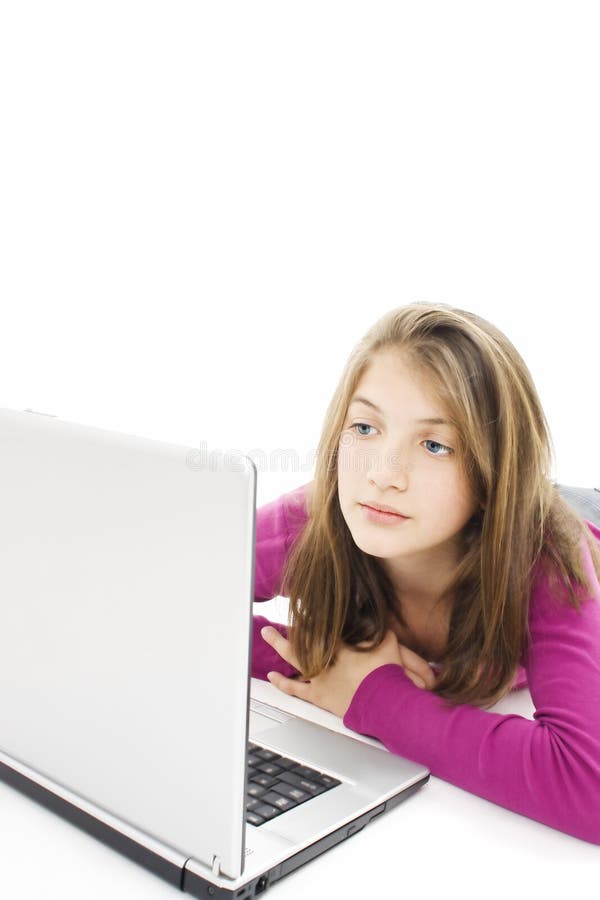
(388, 456)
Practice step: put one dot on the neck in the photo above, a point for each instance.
(420, 581)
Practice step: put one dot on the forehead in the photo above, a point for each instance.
(392, 385)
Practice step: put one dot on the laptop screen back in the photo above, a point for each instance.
(126, 577)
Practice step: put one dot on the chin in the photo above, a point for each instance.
(373, 545)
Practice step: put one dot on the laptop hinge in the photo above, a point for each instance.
(216, 865)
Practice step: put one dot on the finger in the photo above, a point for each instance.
(290, 686)
(429, 681)
(415, 664)
(415, 679)
(280, 644)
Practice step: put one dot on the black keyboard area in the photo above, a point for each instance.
(277, 784)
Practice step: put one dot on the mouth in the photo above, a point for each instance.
(383, 511)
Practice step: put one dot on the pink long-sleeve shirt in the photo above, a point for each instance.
(547, 768)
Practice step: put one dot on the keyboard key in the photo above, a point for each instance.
(312, 775)
(303, 783)
(266, 755)
(277, 784)
(254, 819)
(255, 790)
(270, 768)
(284, 763)
(305, 772)
(328, 781)
(264, 780)
(294, 793)
(267, 811)
(279, 801)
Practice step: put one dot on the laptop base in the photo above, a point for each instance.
(178, 876)
(199, 887)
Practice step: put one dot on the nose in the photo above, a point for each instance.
(389, 469)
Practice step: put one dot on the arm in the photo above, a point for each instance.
(277, 525)
(548, 768)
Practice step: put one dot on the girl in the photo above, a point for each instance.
(432, 565)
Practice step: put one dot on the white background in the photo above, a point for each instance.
(203, 206)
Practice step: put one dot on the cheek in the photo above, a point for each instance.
(456, 501)
(347, 478)
(346, 464)
(355, 461)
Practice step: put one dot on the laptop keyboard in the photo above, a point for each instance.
(277, 784)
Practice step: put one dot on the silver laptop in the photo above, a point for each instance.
(127, 584)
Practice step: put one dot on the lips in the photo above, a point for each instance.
(381, 507)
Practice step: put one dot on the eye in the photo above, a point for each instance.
(361, 425)
(442, 449)
(443, 446)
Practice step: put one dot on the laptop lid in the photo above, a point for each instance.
(126, 578)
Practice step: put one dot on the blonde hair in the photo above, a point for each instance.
(338, 592)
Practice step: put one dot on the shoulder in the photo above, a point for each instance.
(296, 505)
(564, 645)
(278, 523)
(550, 611)
(286, 515)
(545, 597)
(594, 529)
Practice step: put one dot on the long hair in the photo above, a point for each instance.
(338, 592)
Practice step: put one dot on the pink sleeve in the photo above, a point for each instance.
(277, 525)
(547, 769)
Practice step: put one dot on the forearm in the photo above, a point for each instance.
(547, 769)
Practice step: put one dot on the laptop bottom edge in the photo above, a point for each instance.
(200, 887)
(177, 875)
(115, 839)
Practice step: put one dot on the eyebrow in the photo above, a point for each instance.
(431, 421)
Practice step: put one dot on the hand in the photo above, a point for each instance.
(334, 687)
